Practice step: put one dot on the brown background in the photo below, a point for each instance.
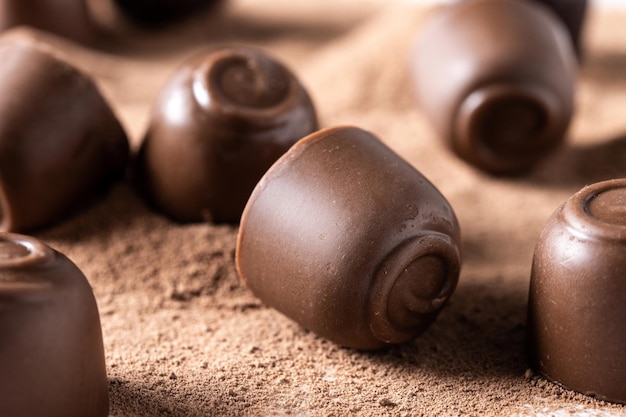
(184, 338)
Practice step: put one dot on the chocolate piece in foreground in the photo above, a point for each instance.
(496, 78)
(51, 350)
(159, 12)
(217, 126)
(349, 240)
(68, 18)
(576, 312)
(60, 143)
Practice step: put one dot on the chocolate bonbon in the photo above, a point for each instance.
(576, 312)
(60, 143)
(219, 123)
(68, 18)
(349, 240)
(496, 78)
(51, 349)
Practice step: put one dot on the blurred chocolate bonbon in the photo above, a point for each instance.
(496, 79)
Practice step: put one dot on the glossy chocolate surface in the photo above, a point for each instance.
(349, 240)
(51, 350)
(217, 126)
(496, 78)
(60, 143)
(158, 12)
(576, 313)
(68, 18)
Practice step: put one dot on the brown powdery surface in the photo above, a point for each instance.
(184, 337)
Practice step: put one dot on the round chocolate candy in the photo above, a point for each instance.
(60, 143)
(68, 18)
(349, 240)
(576, 312)
(496, 78)
(51, 350)
(217, 126)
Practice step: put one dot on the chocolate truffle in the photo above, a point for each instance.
(349, 240)
(217, 126)
(51, 350)
(576, 312)
(60, 143)
(68, 18)
(159, 12)
(496, 78)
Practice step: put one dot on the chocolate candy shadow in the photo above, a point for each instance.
(496, 79)
(576, 312)
(219, 123)
(51, 350)
(349, 240)
(60, 143)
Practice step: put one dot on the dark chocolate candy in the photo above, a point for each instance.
(60, 143)
(68, 18)
(159, 12)
(349, 240)
(51, 352)
(217, 126)
(496, 78)
(576, 312)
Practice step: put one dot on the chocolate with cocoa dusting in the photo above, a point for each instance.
(349, 240)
